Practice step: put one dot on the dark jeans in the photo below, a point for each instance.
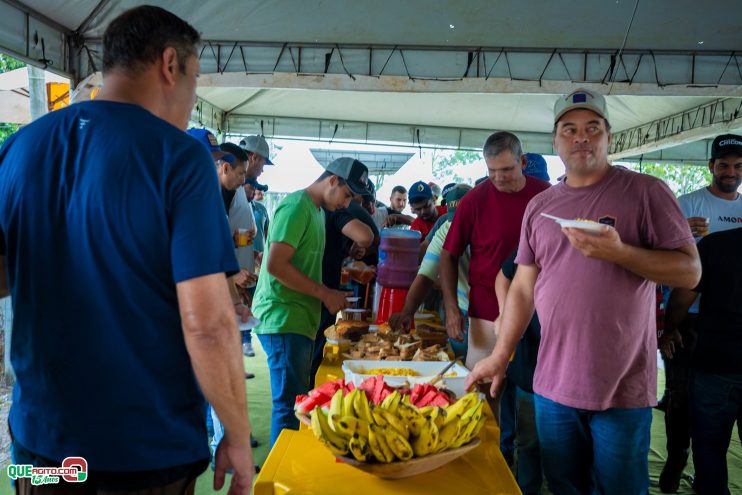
(507, 420)
(325, 320)
(717, 404)
(585, 452)
(677, 375)
(529, 472)
(289, 362)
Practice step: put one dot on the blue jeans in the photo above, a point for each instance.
(289, 362)
(528, 472)
(717, 403)
(507, 420)
(589, 452)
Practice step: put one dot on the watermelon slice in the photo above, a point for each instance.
(378, 389)
(440, 400)
(368, 386)
(428, 398)
(308, 403)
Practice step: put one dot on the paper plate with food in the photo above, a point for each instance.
(576, 223)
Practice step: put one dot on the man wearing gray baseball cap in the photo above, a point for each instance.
(593, 287)
(290, 292)
(258, 155)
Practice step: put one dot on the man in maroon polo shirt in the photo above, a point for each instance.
(488, 221)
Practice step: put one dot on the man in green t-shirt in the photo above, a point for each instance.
(290, 292)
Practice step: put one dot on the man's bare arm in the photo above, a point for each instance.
(359, 232)
(517, 314)
(677, 268)
(449, 276)
(213, 343)
(279, 265)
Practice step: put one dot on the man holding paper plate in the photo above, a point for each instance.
(594, 290)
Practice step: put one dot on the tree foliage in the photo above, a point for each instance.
(681, 178)
(448, 164)
(7, 64)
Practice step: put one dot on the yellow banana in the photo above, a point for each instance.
(406, 399)
(468, 433)
(428, 410)
(398, 444)
(412, 417)
(336, 408)
(321, 429)
(446, 436)
(457, 409)
(378, 419)
(373, 446)
(358, 446)
(348, 409)
(427, 441)
(393, 421)
(440, 417)
(391, 402)
(360, 405)
(473, 429)
(378, 434)
(350, 425)
(475, 409)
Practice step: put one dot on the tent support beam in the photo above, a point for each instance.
(395, 83)
(701, 122)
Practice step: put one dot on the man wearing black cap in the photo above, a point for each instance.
(252, 187)
(348, 232)
(290, 290)
(715, 208)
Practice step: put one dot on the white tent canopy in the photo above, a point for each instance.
(434, 72)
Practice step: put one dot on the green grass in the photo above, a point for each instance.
(259, 407)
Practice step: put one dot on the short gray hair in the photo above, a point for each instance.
(502, 141)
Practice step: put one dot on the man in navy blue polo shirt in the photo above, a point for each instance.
(121, 306)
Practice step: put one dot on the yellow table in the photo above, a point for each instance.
(299, 464)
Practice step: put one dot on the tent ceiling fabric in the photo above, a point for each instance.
(459, 69)
(590, 24)
(378, 163)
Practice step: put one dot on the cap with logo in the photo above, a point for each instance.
(454, 196)
(353, 172)
(419, 191)
(444, 192)
(580, 98)
(257, 144)
(257, 185)
(205, 137)
(536, 167)
(726, 144)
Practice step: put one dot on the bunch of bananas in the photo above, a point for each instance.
(395, 429)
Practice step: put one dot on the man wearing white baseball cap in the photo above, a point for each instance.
(596, 377)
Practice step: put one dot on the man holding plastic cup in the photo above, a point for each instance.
(714, 208)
